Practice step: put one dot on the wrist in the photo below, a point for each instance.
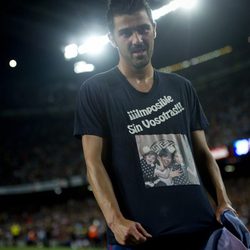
(114, 219)
(222, 198)
(224, 202)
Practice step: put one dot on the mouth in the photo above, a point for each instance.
(139, 51)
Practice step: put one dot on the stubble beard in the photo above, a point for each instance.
(139, 64)
(142, 61)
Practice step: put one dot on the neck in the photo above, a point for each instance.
(139, 75)
(140, 79)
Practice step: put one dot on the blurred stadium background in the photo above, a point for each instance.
(45, 199)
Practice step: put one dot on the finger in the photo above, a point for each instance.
(142, 230)
(233, 210)
(137, 235)
(132, 241)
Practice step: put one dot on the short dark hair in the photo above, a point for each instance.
(165, 152)
(121, 7)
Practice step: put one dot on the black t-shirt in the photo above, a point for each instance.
(160, 121)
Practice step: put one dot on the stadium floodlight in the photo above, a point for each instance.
(13, 63)
(241, 147)
(173, 6)
(71, 51)
(93, 45)
(81, 67)
(189, 4)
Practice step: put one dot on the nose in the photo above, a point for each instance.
(136, 38)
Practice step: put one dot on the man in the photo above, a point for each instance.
(165, 171)
(132, 105)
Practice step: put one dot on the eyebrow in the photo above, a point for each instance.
(143, 26)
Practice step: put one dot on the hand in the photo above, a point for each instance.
(221, 208)
(129, 232)
(161, 166)
(175, 173)
(149, 183)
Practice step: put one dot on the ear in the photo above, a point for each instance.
(112, 40)
(154, 27)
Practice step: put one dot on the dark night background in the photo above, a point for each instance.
(37, 98)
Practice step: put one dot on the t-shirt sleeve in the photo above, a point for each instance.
(89, 114)
(198, 119)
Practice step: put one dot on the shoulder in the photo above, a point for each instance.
(99, 81)
(173, 77)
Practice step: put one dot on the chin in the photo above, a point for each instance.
(141, 64)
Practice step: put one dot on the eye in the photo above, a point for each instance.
(143, 30)
(126, 33)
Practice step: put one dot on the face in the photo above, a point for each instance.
(178, 158)
(134, 35)
(150, 159)
(166, 160)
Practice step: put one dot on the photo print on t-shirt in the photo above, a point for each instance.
(166, 160)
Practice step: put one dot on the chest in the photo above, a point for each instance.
(146, 114)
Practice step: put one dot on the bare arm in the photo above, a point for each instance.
(162, 173)
(125, 231)
(210, 172)
(167, 173)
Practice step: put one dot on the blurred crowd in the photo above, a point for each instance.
(40, 146)
(74, 224)
(227, 108)
(37, 145)
(239, 193)
(79, 223)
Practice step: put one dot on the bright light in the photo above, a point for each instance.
(197, 60)
(189, 4)
(93, 45)
(229, 168)
(81, 67)
(58, 190)
(12, 63)
(172, 6)
(241, 147)
(90, 188)
(71, 51)
(220, 152)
